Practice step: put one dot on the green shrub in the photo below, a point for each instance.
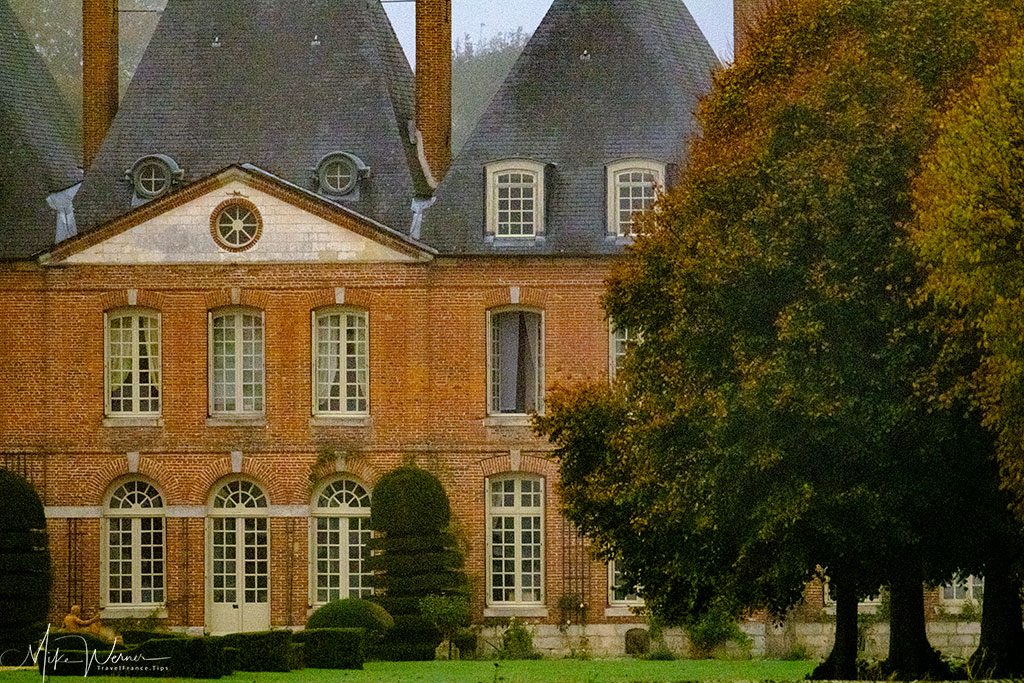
(352, 613)
(517, 642)
(415, 557)
(714, 628)
(230, 660)
(262, 650)
(334, 648)
(409, 501)
(297, 656)
(447, 613)
(25, 575)
(139, 636)
(186, 657)
(467, 640)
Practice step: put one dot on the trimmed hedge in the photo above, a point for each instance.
(157, 658)
(334, 648)
(80, 640)
(186, 657)
(467, 640)
(25, 575)
(139, 636)
(352, 613)
(409, 501)
(261, 650)
(412, 639)
(296, 656)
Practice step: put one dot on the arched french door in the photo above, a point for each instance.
(238, 559)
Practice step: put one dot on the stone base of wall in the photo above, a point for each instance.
(951, 638)
(609, 640)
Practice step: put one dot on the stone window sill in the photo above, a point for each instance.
(526, 611)
(231, 421)
(340, 421)
(513, 242)
(134, 612)
(508, 421)
(624, 610)
(133, 421)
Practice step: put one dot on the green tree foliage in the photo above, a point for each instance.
(771, 421)
(25, 575)
(478, 70)
(968, 234)
(354, 613)
(448, 614)
(418, 557)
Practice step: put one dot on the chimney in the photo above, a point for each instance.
(745, 14)
(99, 74)
(434, 83)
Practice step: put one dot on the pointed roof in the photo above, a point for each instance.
(275, 83)
(600, 80)
(38, 143)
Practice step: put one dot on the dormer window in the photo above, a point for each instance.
(633, 186)
(338, 173)
(153, 176)
(515, 199)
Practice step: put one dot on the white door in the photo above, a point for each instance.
(238, 570)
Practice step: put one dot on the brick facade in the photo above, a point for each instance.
(427, 360)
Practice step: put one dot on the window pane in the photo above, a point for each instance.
(342, 363)
(516, 362)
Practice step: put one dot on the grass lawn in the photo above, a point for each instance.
(538, 671)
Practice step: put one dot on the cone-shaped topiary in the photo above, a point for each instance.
(24, 563)
(417, 557)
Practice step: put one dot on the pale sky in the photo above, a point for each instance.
(487, 17)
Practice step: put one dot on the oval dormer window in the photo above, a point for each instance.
(236, 225)
(154, 175)
(338, 172)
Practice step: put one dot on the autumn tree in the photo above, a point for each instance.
(969, 234)
(772, 421)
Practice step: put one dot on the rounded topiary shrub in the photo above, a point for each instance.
(416, 557)
(409, 501)
(24, 563)
(353, 613)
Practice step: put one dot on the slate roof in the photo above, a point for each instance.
(269, 95)
(600, 80)
(38, 145)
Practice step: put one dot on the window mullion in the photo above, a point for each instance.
(136, 385)
(136, 546)
(239, 355)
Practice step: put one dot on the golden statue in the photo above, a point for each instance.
(74, 623)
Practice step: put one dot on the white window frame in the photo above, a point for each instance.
(613, 354)
(135, 313)
(492, 409)
(236, 312)
(347, 513)
(365, 386)
(612, 171)
(135, 515)
(518, 512)
(493, 172)
(631, 599)
(971, 585)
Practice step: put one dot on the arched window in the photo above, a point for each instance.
(515, 199)
(133, 362)
(134, 550)
(236, 362)
(341, 531)
(515, 546)
(632, 188)
(515, 362)
(341, 366)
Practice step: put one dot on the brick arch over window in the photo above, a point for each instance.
(529, 297)
(358, 469)
(122, 298)
(527, 464)
(222, 298)
(353, 296)
(152, 469)
(259, 471)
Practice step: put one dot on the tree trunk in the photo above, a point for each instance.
(1000, 652)
(911, 656)
(841, 663)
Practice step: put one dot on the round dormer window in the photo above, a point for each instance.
(338, 172)
(236, 225)
(152, 176)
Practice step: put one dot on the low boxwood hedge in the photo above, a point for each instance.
(261, 650)
(186, 657)
(334, 648)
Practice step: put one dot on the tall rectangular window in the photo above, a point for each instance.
(133, 362)
(133, 569)
(236, 362)
(516, 362)
(619, 592)
(618, 343)
(515, 514)
(341, 363)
